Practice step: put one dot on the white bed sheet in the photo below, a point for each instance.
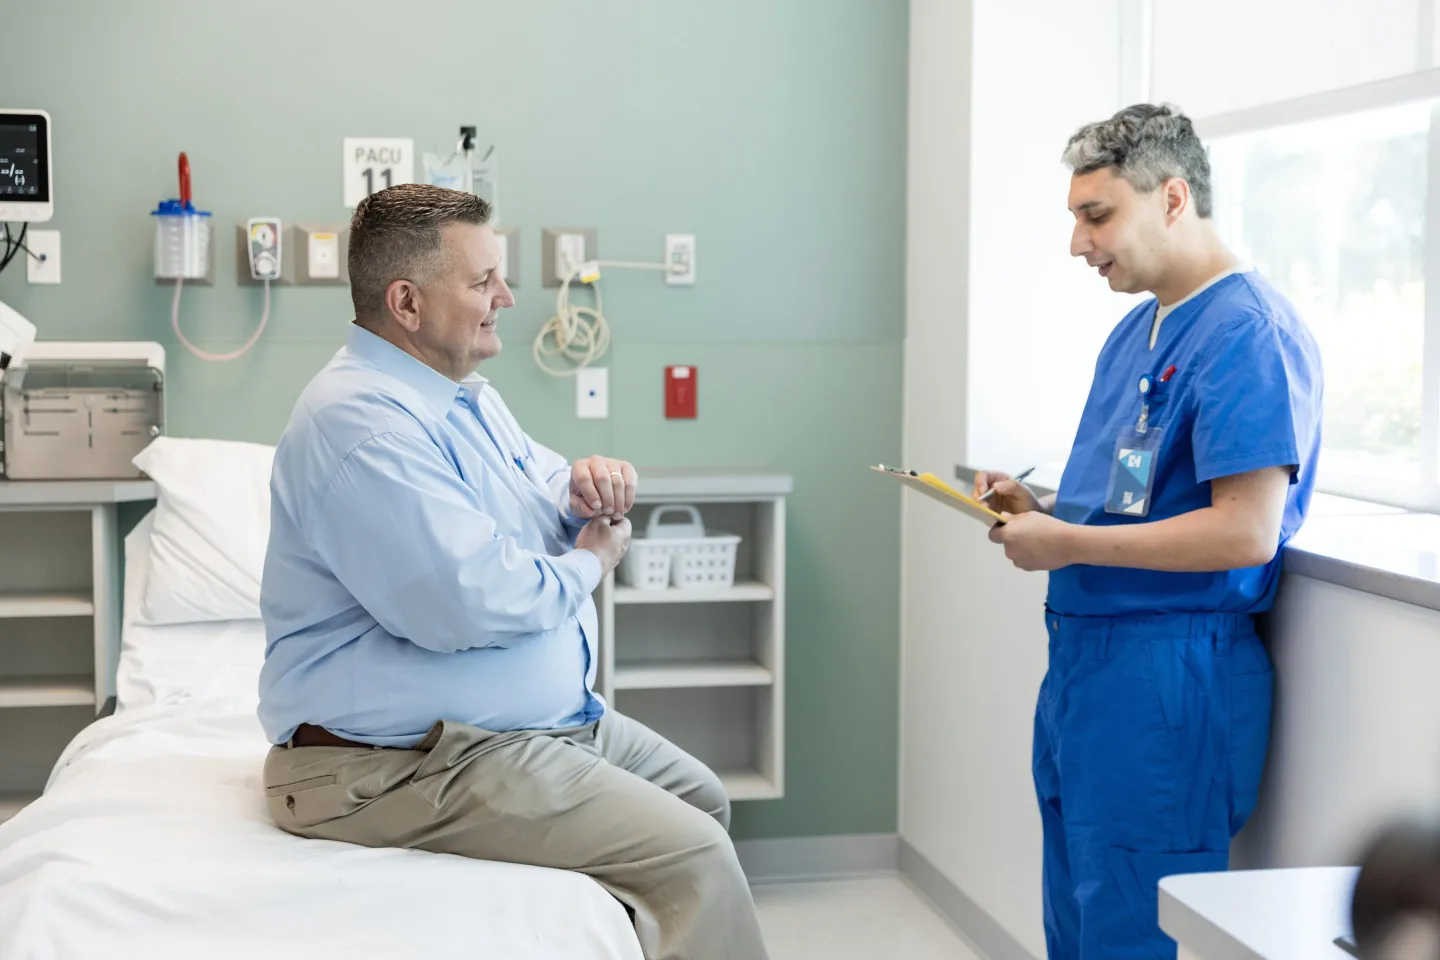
(152, 840)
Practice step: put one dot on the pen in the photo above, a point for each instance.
(1019, 478)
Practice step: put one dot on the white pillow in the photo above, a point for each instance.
(212, 523)
(218, 663)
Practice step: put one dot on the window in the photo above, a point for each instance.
(1334, 212)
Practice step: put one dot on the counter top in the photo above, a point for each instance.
(46, 493)
(1259, 914)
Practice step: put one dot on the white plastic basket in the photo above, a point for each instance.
(707, 563)
(694, 558)
(646, 565)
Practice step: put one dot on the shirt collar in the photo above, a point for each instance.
(437, 389)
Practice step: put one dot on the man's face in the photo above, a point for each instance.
(1120, 232)
(460, 307)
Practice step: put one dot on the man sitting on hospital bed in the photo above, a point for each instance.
(430, 633)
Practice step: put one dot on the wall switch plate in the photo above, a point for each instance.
(682, 389)
(680, 259)
(550, 252)
(592, 393)
(42, 243)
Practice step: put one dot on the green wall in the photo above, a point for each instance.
(774, 130)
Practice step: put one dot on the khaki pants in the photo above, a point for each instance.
(613, 800)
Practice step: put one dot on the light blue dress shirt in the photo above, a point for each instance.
(421, 563)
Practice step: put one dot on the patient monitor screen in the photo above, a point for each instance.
(22, 161)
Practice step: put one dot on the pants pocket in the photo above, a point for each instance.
(299, 786)
(1251, 699)
(1121, 920)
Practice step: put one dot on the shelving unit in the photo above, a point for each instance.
(59, 620)
(706, 667)
(22, 606)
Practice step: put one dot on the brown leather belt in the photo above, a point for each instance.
(309, 735)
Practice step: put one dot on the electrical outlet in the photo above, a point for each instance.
(46, 244)
(592, 393)
(569, 254)
(680, 259)
(556, 249)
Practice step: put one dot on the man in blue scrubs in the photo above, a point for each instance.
(1192, 466)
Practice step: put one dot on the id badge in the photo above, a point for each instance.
(1132, 472)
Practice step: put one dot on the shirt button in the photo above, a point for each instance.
(1054, 624)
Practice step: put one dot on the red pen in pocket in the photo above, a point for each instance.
(1169, 372)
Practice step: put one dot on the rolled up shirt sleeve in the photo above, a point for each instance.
(404, 533)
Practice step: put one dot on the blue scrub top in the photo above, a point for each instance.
(1245, 394)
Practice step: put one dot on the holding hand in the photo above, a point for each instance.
(602, 487)
(608, 538)
(1035, 540)
(1010, 496)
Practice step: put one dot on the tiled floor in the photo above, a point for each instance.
(854, 920)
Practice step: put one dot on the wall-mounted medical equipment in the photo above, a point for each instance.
(16, 335)
(263, 247)
(81, 411)
(579, 335)
(184, 236)
(26, 192)
(469, 168)
(185, 251)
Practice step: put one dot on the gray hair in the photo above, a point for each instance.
(1147, 145)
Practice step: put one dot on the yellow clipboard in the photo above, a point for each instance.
(937, 489)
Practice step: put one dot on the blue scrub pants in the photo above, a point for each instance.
(1150, 737)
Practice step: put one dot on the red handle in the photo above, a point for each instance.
(184, 180)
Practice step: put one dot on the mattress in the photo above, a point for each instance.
(152, 840)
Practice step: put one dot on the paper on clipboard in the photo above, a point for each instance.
(937, 489)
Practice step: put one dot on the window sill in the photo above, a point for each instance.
(1380, 550)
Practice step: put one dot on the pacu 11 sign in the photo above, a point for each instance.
(373, 164)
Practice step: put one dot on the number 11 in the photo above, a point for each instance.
(387, 173)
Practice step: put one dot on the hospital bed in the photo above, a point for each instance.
(152, 838)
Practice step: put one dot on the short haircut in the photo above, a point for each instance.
(395, 235)
(1147, 145)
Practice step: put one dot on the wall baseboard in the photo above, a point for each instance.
(819, 858)
(985, 934)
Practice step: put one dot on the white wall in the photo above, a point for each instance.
(1356, 736)
(937, 234)
(997, 316)
(1215, 56)
(974, 656)
(1037, 316)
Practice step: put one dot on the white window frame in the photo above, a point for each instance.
(1411, 88)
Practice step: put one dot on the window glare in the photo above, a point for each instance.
(1333, 213)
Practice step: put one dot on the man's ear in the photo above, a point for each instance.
(1176, 193)
(402, 300)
